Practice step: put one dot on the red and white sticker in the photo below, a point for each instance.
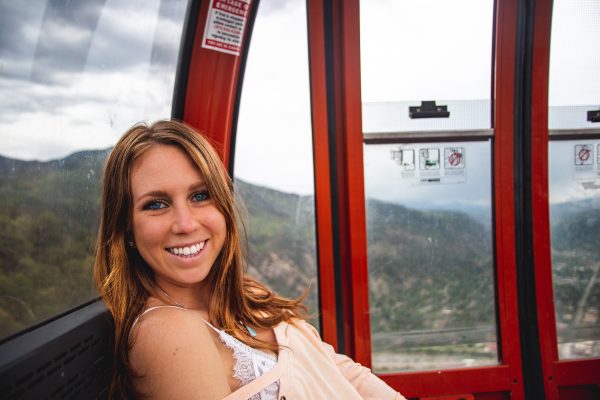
(586, 164)
(584, 154)
(225, 25)
(454, 157)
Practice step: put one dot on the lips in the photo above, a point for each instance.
(189, 250)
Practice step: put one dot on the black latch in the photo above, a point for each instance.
(593, 115)
(428, 109)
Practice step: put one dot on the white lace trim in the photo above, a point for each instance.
(249, 364)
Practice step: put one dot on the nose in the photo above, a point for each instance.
(185, 221)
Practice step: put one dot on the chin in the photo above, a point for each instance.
(192, 278)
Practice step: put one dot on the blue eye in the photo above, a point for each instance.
(200, 196)
(154, 205)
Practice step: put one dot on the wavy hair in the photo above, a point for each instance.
(125, 281)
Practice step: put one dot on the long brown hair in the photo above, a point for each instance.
(125, 281)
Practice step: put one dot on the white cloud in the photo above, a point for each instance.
(91, 113)
(65, 35)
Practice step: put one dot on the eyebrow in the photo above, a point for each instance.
(162, 194)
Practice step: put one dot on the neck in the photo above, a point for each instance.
(189, 298)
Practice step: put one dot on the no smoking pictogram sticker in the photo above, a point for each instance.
(455, 157)
(583, 154)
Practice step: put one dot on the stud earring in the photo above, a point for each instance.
(131, 244)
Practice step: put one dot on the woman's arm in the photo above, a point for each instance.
(364, 381)
(367, 384)
(176, 358)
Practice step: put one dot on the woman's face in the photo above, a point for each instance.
(176, 227)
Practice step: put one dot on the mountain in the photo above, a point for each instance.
(428, 270)
(434, 267)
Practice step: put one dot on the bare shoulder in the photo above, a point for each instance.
(174, 356)
(165, 326)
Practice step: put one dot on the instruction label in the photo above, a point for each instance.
(586, 165)
(406, 159)
(429, 165)
(225, 25)
(432, 168)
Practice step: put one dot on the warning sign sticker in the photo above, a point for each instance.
(454, 157)
(429, 158)
(431, 169)
(405, 158)
(584, 154)
(454, 165)
(225, 25)
(429, 165)
(586, 165)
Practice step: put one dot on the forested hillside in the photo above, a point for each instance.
(48, 222)
(428, 269)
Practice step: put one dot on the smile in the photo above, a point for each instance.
(187, 250)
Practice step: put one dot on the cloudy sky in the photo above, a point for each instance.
(75, 75)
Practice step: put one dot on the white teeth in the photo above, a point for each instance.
(188, 250)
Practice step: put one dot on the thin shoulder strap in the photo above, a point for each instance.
(164, 306)
(147, 311)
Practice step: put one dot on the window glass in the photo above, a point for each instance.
(273, 156)
(75, 76)
(428, 194)
(574, 176)
(574, 86)
(413, 51)
(574, 173)
(429, 231)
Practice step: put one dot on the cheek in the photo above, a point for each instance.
(145, 232)
(216, 221)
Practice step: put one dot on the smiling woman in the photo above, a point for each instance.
(188, 322)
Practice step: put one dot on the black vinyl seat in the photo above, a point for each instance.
(69, 357)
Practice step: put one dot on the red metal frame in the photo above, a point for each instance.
(539, 197)
(489, 380)
(561, 377)
(504, 193)
(212, 88)
(451, 381)
(346, 22)
(323, 207)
